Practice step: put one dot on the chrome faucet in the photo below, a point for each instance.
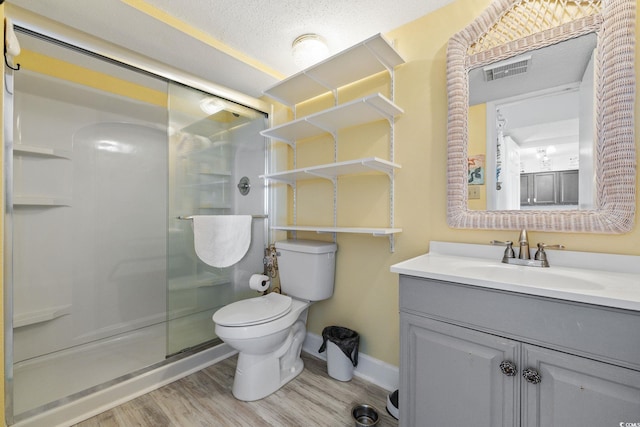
(524, 256)
(523, 241)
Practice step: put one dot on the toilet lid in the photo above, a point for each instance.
(253, 310)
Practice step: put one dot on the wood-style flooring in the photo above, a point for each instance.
(205, 399)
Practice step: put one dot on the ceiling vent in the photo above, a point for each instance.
(507, 68)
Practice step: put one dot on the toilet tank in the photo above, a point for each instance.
(307, 268)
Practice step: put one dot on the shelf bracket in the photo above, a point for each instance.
(290, 183)
(321, 175)
(392, 245)
(379, 168)
(290, 143)
(379, 58)
(390, 117)
(330, 131)
(324, 84)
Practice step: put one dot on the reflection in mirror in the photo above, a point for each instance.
(593, 191)
(532, 118)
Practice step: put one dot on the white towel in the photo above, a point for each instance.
(221, 240)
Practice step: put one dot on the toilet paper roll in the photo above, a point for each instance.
(259, 282)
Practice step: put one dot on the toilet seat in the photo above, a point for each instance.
(254, 311)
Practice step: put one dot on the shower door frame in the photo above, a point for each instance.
(106, 51)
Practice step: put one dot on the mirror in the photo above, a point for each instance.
(531, 116)
(541, 130)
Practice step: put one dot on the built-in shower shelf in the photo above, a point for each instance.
(365, 110)
(208, 151)
(213, 173)
(332, 170)
(40, 201)
(214, 206)
(34, 150)
(201, 281)
(354, 230)
(40, 316)
(206, 184)
(364, 59)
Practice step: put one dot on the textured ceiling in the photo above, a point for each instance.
(256, 34)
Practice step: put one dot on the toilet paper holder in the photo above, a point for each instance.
(259, 282)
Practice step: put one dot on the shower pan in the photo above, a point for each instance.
(101, 279)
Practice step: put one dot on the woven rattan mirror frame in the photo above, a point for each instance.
(511, 27)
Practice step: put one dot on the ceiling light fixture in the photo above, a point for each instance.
(308, 49)
(211, 106)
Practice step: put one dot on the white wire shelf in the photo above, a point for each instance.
(367, 58)
(365, 110)
(375, 231)
(332, 170)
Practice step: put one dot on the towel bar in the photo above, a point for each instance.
(190, 217)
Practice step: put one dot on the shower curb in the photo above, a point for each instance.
(86, 407)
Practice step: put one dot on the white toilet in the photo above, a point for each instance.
(268, 331)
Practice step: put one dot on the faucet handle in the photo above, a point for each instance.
(542, 246)
(508, 251)
(541, 255)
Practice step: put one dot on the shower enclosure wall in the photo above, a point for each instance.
(101, 278)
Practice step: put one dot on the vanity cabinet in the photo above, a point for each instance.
(577, 391)
(464, 350)
(450, 376)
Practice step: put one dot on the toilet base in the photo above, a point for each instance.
(259, 375)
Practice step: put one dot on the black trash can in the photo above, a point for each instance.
(342, 351)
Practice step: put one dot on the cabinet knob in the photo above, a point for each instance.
(531, 376)
(508, 368)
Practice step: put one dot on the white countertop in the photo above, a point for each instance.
(602, 279)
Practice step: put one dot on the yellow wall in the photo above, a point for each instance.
(477, 145)
(366, 295)
(47, 65)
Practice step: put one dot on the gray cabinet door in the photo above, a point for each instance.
(538, 188)
(544, 188)
(526, 189)
(578, 392)
(569, 187)
(451, 377)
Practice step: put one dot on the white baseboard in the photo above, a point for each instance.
(369, 369)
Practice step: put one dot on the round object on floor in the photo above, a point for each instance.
(392, 405)
(365, 415)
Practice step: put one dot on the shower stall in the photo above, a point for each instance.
(102, 165)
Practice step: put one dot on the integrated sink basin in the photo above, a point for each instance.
(601, 279)
(531, 276)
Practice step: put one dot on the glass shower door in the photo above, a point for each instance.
(213, 143)
(102, 280)
(88, 209)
